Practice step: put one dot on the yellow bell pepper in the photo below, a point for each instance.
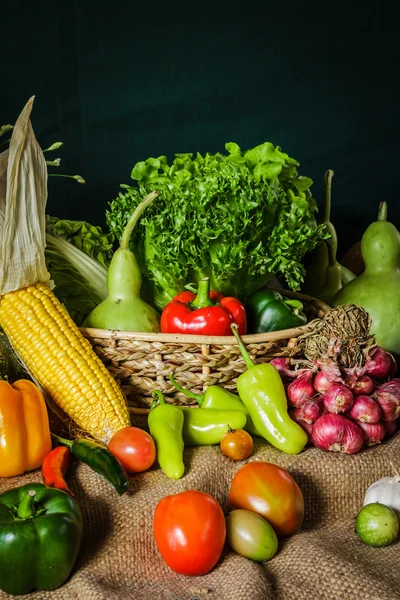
(24, 428)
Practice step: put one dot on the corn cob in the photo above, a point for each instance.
(62, 361)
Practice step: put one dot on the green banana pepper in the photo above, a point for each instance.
(216, 398)
(267, 311)
(40, 536)
(99, 459)
(262, 391)
(204, 427)
(165, 424)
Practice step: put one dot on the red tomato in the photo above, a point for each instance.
(134, 448)
(271, 492)
(189, 529)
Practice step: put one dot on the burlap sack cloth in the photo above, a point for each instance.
(324, 561)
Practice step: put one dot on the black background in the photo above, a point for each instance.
(118, 82)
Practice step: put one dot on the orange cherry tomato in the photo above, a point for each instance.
(190, 530)
(237, 444)
(134, 448)
(271, 492)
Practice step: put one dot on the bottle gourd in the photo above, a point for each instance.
(377, 289)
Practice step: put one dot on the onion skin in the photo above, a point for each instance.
(360, 386)
(300, 389)
(282, 365)
(373, 433)
(387, 396)
(338, 398)
(335, 433)
(329, 373)
(365, 410)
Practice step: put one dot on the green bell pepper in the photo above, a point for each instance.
(262, 391)
(267, 311)
(216, 398)
(165, 424)
(40, 536)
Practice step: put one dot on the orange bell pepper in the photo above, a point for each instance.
(24, 428)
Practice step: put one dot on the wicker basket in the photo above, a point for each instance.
(142, 362)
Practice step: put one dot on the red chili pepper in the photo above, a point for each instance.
(55, 466)
(207, 313)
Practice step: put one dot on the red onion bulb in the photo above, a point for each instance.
(300, 389)
(338, 398)
(390, 426)
(282, 365)
(363, 385)
(312, 409)
(335, 433)
(296, 415)
(380, 364)
(387, 396)
(373, 433)
(365, 410)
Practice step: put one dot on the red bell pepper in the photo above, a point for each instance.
(207, 313)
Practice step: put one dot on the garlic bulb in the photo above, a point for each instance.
(385, 491)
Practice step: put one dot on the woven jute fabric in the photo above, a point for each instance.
(324, 561)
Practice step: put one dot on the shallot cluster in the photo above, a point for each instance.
(345, 410)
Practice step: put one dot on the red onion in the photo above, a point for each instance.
(300, 389)
(387, 396)
(295, 414)
(328, 374)
(338, 398)
(380, 364)
(390, 426)
(363, 385)
(335, 433)
(282, 365)
(373, 433)
(312, 409)
(365, 410)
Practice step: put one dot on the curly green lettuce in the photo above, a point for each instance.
(238, 218)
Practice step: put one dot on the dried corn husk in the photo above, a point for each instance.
(23, 196)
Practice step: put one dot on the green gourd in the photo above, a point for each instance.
(124, 309)
(377, 289)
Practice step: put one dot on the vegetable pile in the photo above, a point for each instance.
(344, 409)
(237, 218)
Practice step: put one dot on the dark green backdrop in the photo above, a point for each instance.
(121, 81)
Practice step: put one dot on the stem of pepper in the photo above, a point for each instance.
(199, 398)
(26, 509)
(63, 441)
(246, 356)
(158, 399)
(203, 294)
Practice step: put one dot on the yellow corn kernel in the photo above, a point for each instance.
(62, 361)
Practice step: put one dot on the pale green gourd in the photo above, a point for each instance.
(377, 290)
(124, 309)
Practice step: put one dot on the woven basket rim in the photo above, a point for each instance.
(258, 338)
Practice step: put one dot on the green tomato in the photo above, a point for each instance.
(250, 535)
(377, 525)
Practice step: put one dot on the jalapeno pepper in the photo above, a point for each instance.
(262, 391)
(267, 311)
(99, 459)
(216, 398)
(55, 466)
(204, 427)
(165, 424)
(207, 313)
